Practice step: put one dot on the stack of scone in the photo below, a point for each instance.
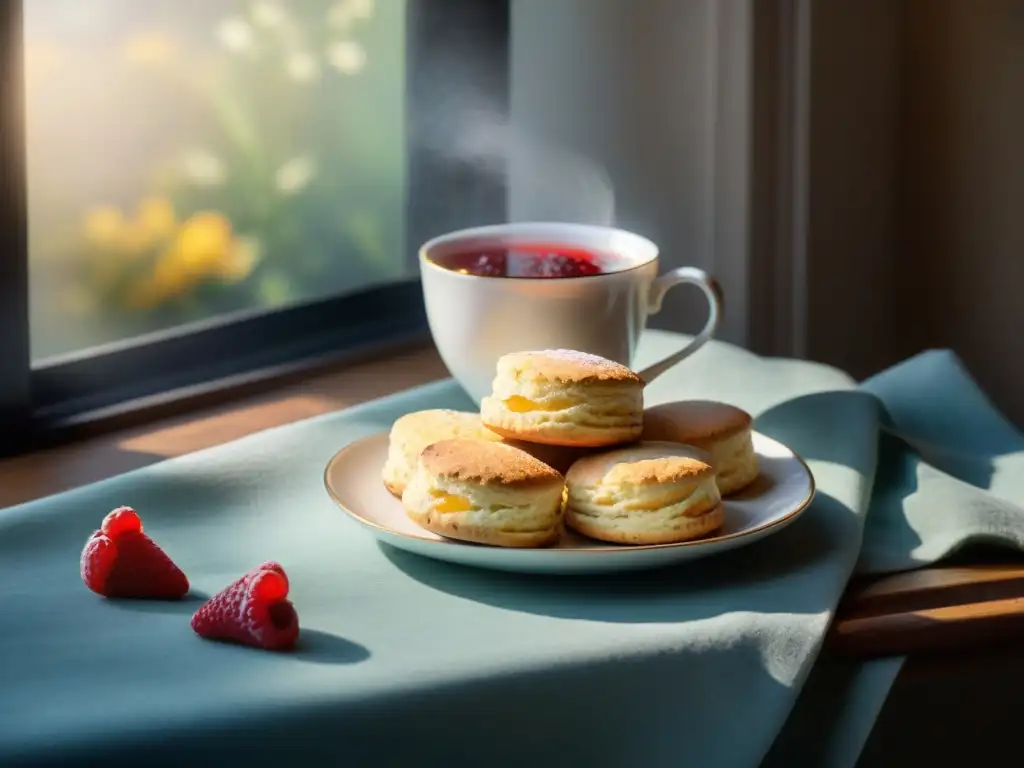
(720, 429)
(564, 437)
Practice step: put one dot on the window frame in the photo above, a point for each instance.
(142, 378)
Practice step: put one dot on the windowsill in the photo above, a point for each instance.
(969, 604)
(42, 473)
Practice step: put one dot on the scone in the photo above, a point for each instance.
(485, 492)
(648, 493)
(415, 431)
(720, 429)
(562, 397)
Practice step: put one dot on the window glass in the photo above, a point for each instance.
(190, 158)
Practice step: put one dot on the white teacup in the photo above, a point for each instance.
(476, 319)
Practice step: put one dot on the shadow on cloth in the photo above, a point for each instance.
(755, 578)
(567, 708)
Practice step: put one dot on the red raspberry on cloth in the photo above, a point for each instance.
(252, 611)
(119, 560)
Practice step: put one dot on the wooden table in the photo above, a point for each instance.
(960, 612)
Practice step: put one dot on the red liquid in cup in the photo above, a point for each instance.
(530, 261)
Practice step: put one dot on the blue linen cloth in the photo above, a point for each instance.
(405, 660)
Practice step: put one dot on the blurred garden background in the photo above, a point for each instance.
(190, 158)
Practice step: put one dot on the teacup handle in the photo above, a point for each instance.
(716, 306)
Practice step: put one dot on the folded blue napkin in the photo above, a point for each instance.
(950, 474)
(404, 659)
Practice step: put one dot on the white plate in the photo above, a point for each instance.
(781, 493)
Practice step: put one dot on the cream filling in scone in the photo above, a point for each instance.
(642, 510)
(512, 511)
(549, 403)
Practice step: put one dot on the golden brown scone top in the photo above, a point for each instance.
(486, 463)
(568, 366)
(441, 420)
(694, 421)
(646, 463)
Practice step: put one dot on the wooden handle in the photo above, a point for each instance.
(955, 627)
(931, 610)
(933, 587)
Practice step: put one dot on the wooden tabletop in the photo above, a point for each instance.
(954, 608)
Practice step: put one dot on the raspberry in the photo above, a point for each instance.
(119, 560)
(121, 520)
(254, 610)
(490, 265)
(561, 265)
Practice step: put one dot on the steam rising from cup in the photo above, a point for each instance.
(551, 183)
(546, 182)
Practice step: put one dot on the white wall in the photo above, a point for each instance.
(614, 109)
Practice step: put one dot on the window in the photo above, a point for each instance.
(191, 159)
(206, 192)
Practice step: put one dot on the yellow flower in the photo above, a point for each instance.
(149, 49)
(170, 279)
(103, 226)
(146, 294)
(240, 263)
(134, 241)
(203, 243)
(203, 248)
(110, 233)
(140, 297)
(156, 217)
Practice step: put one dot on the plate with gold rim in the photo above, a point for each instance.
(781, 493)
